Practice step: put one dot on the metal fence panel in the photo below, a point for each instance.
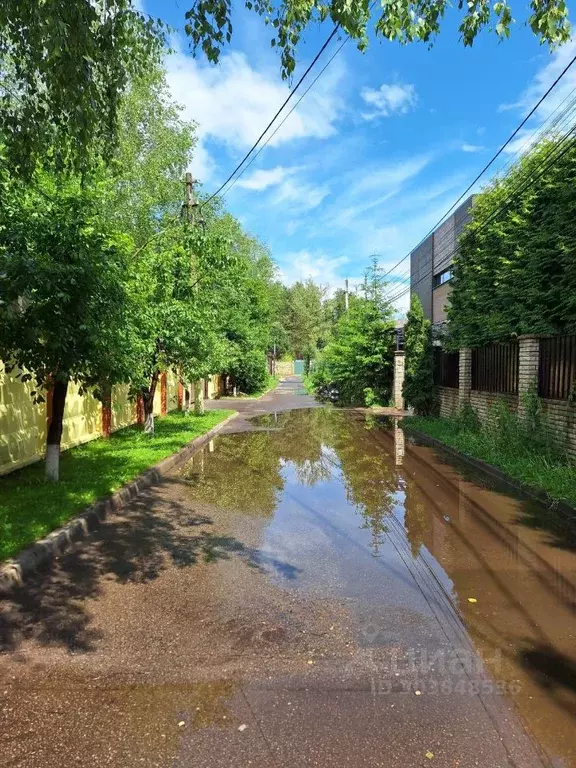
(446, 368)
(557, 368)
(495, 368)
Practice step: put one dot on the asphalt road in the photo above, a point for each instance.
(306, 591)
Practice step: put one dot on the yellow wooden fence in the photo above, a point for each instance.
(23, 424)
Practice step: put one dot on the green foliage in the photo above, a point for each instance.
(526, 453)
(64, 67)
(304, 319)
(29, 508)
(419, 391)
(467, 418)
(370, 397)
(155, 146)
(251, 373)
(66, 285)
(103, 280)
(209, 23)
(358, 356)
(515, 272)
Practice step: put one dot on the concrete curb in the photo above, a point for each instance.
(557, 505)
(14, 572)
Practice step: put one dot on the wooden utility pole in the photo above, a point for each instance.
(188, 209)
(189, 202)
(346, 295)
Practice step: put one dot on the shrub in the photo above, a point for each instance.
(419, 390)
(467, 418)
(251, 371)
(369, 397)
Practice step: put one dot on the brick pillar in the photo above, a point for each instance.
(180, 394)
(107, 413)
(465, 376)
(399, 365)
(528, 363)
(163, 393)
(399, 444)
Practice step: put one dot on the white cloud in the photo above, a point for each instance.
(299, 195)
(543, 79)
(371, 187)
(288, 188)
(265, 177)
(472, 148)
(323, 269)
(394, 99)
(233, 102)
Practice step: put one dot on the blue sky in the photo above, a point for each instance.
(377, 151)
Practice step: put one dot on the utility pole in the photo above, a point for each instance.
(346, 295)
(188, 211)
(189, 202)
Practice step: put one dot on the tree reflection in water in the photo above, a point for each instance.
(246, 471)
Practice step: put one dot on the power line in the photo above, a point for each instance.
(490, 162)
(544, 166)
(556, 121)
(519, 189)
(318, 76)
(280, 109)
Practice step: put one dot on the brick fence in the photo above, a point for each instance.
(560, 415)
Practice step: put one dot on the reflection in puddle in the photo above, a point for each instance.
(352, 512)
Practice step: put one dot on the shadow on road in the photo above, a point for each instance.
(151, 535)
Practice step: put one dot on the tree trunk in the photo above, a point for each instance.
(54, 437)
(198, 398)
(148, 402)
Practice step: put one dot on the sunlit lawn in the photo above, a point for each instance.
(555, 475)
(271, 383)
(30, 508)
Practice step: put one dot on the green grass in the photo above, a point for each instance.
(549, 471)
(30, 508)
(308, 384)
(271, 383)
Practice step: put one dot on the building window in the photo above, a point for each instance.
(443, 277)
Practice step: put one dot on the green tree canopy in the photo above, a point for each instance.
(210, 26)
(67, 288)
(419, 371)
(515, 271)
(66, 64)
(304, 319)
(357, 360)
(64, 67)
(155, 148)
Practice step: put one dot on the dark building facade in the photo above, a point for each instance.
(431, 263)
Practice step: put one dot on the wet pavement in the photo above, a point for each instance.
(308, 590)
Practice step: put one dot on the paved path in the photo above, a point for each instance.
(289, 394)
(272, 605)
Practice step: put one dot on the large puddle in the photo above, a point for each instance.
(351, 511)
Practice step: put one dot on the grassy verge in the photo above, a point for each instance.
(308, 384)
(550, 472)
(271, 383)
(30, 508)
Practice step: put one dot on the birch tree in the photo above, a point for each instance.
(65, 294)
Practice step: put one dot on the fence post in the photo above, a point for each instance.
(465, 376)
(107, 412)
(163, 393)
(528, 363)
(399, 365)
